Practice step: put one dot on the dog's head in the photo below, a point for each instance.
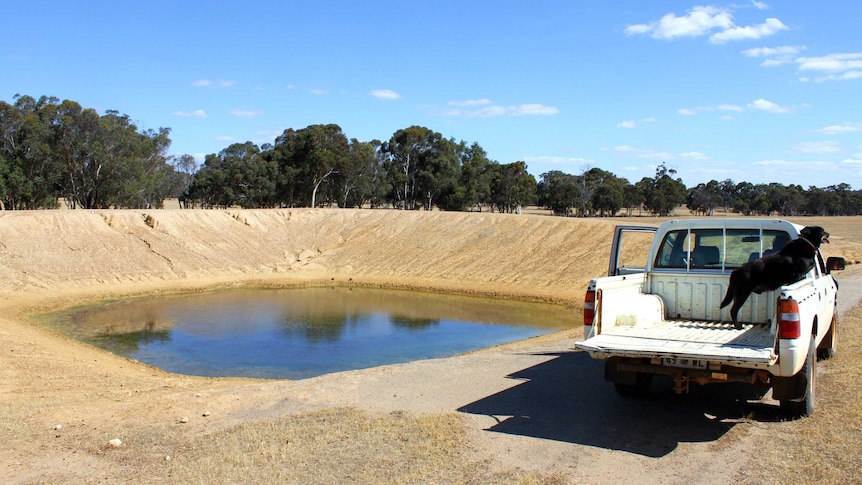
(815, 235)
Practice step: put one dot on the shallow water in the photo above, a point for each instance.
(300, 333)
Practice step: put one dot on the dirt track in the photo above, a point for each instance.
(535, 405)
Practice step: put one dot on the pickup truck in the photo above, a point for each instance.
(660, 315)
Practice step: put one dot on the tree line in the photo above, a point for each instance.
(52, 150)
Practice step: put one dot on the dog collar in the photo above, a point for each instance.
(809, 242)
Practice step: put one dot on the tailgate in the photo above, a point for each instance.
(686, 339)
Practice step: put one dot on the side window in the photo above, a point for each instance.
(671, 253)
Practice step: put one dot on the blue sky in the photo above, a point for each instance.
(751, 91)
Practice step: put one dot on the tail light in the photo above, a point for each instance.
(788, 323)
(589, 307)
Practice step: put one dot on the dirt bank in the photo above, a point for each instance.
(59, 258)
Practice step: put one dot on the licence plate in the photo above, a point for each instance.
(687, 363)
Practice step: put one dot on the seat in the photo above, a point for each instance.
(703, 256)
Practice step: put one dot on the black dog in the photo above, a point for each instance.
(788, 265)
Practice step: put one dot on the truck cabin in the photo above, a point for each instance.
(716, 249)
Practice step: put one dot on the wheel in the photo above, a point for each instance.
(640, 388)
(805, 407)
(830, 341)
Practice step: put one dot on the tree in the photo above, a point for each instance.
(663, 192)
(354, 178)
(704, 198)
(512, 187)
(420, 165)
(607, 199)
(28, 174)
(238, 175)
(558, 192)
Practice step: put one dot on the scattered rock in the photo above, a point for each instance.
(115, 443)
(58, 427)
(206, 413)
(184, 419)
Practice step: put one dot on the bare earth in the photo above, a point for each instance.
(534, 409)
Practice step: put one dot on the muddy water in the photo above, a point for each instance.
(300, 333)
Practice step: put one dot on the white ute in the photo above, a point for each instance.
(662, 317)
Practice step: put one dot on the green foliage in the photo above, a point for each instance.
(52, 150)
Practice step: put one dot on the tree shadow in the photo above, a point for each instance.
(567, 399)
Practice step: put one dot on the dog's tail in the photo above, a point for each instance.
(727, 297)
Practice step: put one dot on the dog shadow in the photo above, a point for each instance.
(566, 399)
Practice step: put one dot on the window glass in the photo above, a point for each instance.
(715, 249)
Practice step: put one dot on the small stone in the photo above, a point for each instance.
(184, 419)
(115, 443)
(168, 458)
(206, 413)
(58, 427)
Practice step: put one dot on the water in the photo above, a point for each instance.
(300, 333)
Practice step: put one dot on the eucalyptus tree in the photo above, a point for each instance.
(306, 159)
(475, 179)
(354, 178)
(420, 165)
(512, 187)
(558, 191)
(663, 192)
(27, 171)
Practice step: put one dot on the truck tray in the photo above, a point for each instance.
(688, 339)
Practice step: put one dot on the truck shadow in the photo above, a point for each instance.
(566, 399)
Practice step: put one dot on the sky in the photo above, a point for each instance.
(750, 91)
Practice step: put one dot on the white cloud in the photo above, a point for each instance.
(770, 27)
(225, 138)
(246, 113)
(831, 62)
(693, 156)
(836, 67)
(687, 111)
(198, 113)
(634, 124)
(483, 108)
(291, 86)
(816, 147)
(730, 107)
(846, 127)
(775, 56)
(764, 105)
(697, 22)
(773, 51)
(206, 83)
(470, 102)
(319, 91)
(646, 153)
(384, 94)
(760, 5)
(704, 20)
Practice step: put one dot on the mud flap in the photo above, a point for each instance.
(789, 388)
(613, 374)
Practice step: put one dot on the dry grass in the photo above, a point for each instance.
(342, 445)
(823, 448)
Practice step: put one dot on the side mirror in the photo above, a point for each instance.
(834, 263)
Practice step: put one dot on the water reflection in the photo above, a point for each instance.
(303, 332)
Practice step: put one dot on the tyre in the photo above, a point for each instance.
(830, 341)
(640, 388)
(805, 407)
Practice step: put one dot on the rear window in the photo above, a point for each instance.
(715, 248)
